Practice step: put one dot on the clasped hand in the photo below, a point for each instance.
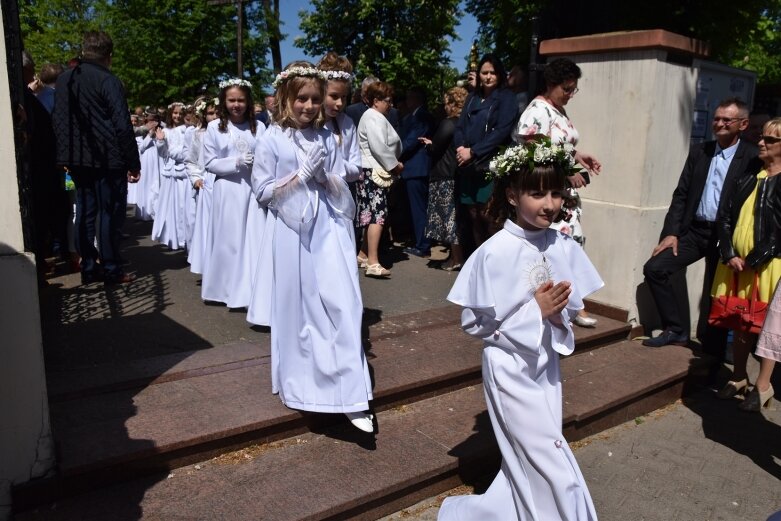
(245, 159)
(552, 299)
(312, 166)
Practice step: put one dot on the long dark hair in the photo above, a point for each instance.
(249, 113)
(544, 177)
(501, 75)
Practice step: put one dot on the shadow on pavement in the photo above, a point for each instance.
(750, 434)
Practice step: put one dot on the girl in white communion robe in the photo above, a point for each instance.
(203, 182)
(309, 292)
(518, 291)
(228, 147)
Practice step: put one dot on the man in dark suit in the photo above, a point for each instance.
(689, 231)
(415, 125)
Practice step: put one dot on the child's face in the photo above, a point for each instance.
(177, 116)
(235, 104)
(211, 114)
(307, 105)
(335, 97)
(535, 209)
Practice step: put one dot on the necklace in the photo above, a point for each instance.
(538, 272)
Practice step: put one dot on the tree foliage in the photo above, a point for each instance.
(743, 35)
(164, 50)
(403, 42)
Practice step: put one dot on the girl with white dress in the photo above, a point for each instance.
(149, 185)
(228, 154)
(546, 116)
(338, 72)
(169, 227)
(519, 290)
(203, 183)
(317, 358)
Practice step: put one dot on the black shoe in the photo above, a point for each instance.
(667, 338)
(91, 276)
(417, 253)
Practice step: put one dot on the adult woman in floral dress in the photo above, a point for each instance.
(546, 116)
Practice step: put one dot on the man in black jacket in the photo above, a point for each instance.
(95, 142)
(689, 231)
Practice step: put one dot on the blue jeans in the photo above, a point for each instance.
(100, 213)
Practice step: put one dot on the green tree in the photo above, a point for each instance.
(164, 50)
(52, 29)
(403, 42)
(742, 35)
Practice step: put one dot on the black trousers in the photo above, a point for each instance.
(698, 242)
(100, 212)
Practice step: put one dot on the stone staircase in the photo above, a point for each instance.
(202, 437)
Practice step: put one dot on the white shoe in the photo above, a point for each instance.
(362, 420)
(584, 321)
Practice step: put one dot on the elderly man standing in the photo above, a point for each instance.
(95, 142)
(689, 232)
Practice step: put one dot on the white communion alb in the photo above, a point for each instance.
(169, 227)
(308, 292)
(200, 248)
(227, 278)
(148, 186)
(539, 478)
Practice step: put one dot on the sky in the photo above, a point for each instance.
(459, 49)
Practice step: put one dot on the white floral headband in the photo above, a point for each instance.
(175, 104)
(200, 107)
(338, 75)
(235, 82)
(533, 154)
(292, 72)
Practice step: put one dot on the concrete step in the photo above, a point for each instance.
(115, 422)
(421, 449)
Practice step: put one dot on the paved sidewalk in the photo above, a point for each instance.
(697, 460)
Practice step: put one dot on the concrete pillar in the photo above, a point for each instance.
(26, 448)
(634, 112)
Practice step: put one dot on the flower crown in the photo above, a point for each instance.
(292, 72)
(532, 154)
(200, 107)
(235, 82)
(338, 75)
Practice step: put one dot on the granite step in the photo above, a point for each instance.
(420, 450)
(115, 422)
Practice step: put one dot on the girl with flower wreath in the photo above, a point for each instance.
(205, 111)
(149, 185)
(546, 116)
(228, 147)
(339, 73)
(519, 290)
(310, 295)
(169, 227)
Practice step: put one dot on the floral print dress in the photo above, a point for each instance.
(542, 118)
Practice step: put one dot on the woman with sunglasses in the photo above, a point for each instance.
(749, 228)
(545, 116)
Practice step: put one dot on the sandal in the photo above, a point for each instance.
(362, 261)
(452, 267)
(377, 271)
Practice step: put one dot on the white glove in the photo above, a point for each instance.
(313, 164)
(245, 159)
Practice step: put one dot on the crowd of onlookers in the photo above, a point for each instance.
(417, 170)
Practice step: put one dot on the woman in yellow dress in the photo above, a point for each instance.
(749, 228)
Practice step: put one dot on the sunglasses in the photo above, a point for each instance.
(769, 140)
